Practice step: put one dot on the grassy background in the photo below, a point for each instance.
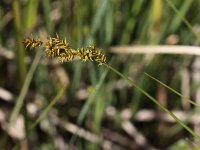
(115, 115)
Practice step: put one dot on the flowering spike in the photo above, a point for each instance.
(59, 48)
(32, 42)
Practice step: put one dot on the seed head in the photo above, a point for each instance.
(31, 42)
(58, 48)
(55, 46)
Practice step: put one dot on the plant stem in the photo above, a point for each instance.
(46, 110)
(23, 92)
(20, 51)
(154, 100)
(183, 19)
(176, 92)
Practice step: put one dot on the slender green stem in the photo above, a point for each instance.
(21, 104)
(20, 51)
(183, 18)
(176, 92)
(21, 66)
(154, 100)
(44, 113)
(88, 104)
(53, 102)
(20, 100)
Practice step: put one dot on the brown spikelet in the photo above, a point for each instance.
(55, 46)
(97, 54)
(84, 55)
(31, 42)
(59, 48)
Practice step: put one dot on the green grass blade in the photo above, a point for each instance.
(176, 92)
(155, 101)
(87, 105)
(109, 24)
(183, 18)
(47, 11)
(91, 98)
(20, 100)
(22, 70)
(43, 114)
(131, 22)
(31, 14)
(53, 102)
(101, 11)
(176, 21)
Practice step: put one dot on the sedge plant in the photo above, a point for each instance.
(56, 47)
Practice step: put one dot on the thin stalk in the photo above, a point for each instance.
(23, 92)
(176, 92)
(88, 104)
(183, 18)
(52, 103)
(21, 66)
(20, 51)
(21, 104)
(154, 100)
(43, 114)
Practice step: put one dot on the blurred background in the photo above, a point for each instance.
(98, 109)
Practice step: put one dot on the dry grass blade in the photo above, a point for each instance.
(160, 49)
(139, 138)
(6, 95)
(6, 53)
(6, 19)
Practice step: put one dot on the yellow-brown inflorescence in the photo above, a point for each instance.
(32, 42)
(56, 47)
(91, 53)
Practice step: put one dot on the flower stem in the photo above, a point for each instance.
(154, 100)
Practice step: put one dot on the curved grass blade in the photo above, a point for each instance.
(176, 92)
(155, 101)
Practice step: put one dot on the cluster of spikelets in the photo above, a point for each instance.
(56, 47)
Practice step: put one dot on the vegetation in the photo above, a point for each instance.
(57, 102)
